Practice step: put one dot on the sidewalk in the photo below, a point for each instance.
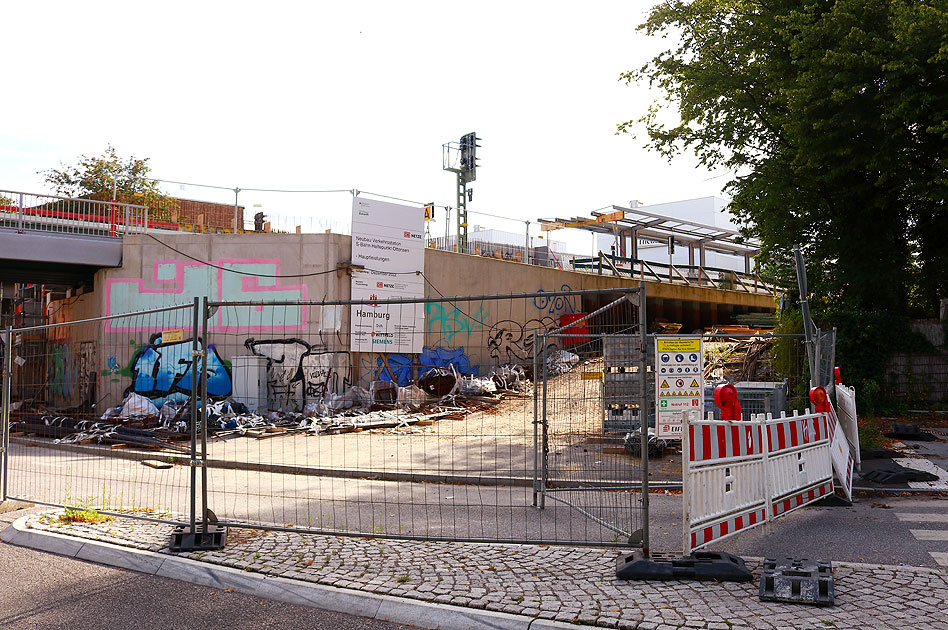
(488, 585)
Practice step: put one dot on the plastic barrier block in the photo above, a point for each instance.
(905, 431)
(797, 581)
(209, 538)
(701, 565)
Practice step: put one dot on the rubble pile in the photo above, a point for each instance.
(441, 394)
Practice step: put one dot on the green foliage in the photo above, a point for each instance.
(96, 177)
(865, 340)
(831, 118)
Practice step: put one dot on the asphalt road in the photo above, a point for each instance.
(45, 592)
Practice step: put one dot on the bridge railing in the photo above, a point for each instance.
(68, 215)
(689, 275)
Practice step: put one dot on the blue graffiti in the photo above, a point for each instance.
(401, 364)
(556, 304)
(163, 372)
(444, 357)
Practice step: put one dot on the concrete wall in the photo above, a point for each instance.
(306, 348)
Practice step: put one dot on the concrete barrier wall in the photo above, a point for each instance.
(167, 269)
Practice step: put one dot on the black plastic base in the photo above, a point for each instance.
(183, 538)
(701, 565)
(833, 500)
(797, 581)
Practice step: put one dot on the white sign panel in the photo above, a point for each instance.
(388, 240)
(679, 381)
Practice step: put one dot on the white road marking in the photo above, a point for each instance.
(933, 502)
(930, 534)
(923, 517)
(941, 557)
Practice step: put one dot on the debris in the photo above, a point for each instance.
(474, 386)
(159, 465)
(560, 362)
(412, 396)
(633, 443)
(383, 392)
(438, 382)
(137, 405)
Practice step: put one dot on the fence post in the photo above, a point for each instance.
(643, 414)
(686, 482)
(536, 426)
(195, 355)
(19, 225)
(204, 401)
(6, 370)
(765, 461)
(544, 444)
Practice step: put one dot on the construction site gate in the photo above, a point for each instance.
(593, 397)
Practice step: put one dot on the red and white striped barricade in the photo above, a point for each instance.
(741, 474)
(846, 413)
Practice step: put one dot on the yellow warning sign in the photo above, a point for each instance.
(172, 336)
(678, 345)
(591, 376)
(664, 384)
(694, 382)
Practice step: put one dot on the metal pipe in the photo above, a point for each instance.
(236, 193)
(76, 199)
(545, 434)
(178, 307)
(334, 532)
(643, 424)
(432, 300)
(536, 453)
(206, 315)
(194, 413)
(7, 371)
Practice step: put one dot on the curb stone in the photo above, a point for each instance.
(353, 602)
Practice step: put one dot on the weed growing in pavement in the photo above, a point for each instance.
(84, 514)
(402, 579)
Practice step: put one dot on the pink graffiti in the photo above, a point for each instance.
(175, 282)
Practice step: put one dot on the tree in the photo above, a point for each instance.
(96, 178)
(832, 116)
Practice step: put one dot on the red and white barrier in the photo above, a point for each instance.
(840, 446)
(846, 404)
(738, 474)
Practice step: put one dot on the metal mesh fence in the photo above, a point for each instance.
(592, 395)
(82, 413)
(434, 439)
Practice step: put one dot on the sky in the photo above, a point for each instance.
(322, 96)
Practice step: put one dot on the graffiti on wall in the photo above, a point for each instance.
(72, 373)
(163, 371)
(450, 321)
(298, 372)
(177, 282)
(402, 364)
(557, 304)
(512, 342)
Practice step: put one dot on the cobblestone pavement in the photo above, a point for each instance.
(572, 584)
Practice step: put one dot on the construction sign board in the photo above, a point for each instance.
(679, 381)
(388, 241)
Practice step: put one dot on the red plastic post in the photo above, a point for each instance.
(837, 377)
(725, 399)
